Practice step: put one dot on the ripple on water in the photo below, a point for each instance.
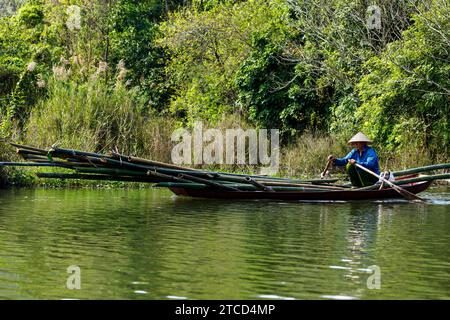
(140, 292)
(338, 297)
(176, 298)
(274, 297)
(145, 244)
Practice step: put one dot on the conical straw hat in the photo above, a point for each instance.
(360, 137)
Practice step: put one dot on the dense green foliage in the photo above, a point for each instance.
(99, 79)
(208, 48)
(405, 93)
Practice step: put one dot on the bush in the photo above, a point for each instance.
(405, 93)
(92, 116)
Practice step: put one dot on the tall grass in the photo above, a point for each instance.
(10, 176)
(308, 155)
(91, 116)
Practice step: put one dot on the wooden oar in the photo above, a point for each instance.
(405, 193)
(324, 173)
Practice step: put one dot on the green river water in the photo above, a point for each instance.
(150, 244)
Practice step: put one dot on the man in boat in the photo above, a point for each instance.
(364, 156)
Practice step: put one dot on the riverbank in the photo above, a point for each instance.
(304, 159)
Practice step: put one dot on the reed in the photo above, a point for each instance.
(91, 116)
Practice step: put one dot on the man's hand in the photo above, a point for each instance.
(351, 161)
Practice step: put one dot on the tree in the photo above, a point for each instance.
(208, 47)
(405, 95)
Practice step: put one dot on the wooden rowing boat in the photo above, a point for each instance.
(218, 185)
(350, 194)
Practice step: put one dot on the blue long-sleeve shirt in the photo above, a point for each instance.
(368, 159)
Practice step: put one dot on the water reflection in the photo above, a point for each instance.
(149, 244)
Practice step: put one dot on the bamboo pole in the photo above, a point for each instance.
(258, 185)
(443, 176)
(24, 152)
(207, 182)
(276, 183)
(165, 176)
(368, 188)
(64, 163)
(154, 163)
(33, 157)
(51, 175)
(151, 165)
(28, 148)
(69, 152)
(111, 171)
(34, 164)
(199, 173)
(77, 159)
(421, 169)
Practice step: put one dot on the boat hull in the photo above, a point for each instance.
(387, 193)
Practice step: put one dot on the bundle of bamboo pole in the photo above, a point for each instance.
(119, 167)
